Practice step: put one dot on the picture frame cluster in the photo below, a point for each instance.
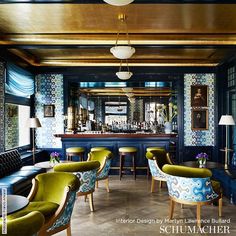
(199, 104)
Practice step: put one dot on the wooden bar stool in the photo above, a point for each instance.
(149, 149)
(98, 149)
(131, 151)
(75, 151)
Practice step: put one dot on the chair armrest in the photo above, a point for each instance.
(33, 190)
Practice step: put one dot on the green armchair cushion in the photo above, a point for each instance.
(185, 171)
(46, 208)
(51, 186)
(77, 166)
(26, 225)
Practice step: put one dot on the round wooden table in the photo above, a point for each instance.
(45, 165)
(14, 203)
(209, 164)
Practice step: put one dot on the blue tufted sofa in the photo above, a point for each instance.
(14, 176)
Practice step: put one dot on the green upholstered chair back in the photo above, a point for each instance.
(184, 171)
(51, 186)
(85, 171)
(26, 225)
(161, 156)
(105, 158)
(100, 156)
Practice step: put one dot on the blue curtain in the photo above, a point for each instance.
(19, 82)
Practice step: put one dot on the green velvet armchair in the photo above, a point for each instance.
(104, 157)
(156, 160)
(86, 171)
(52, 194)
(193, 186)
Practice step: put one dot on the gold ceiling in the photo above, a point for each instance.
(82, 34)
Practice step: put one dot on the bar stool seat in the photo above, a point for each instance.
(75, 151)
(123, 151)
(149, 149)
(98, 149)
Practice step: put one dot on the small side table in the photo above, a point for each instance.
(45, 164)
(209, 164)
(14, 203)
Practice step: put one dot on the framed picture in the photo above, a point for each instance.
(199, 119)
(199, 96)
(49, 110)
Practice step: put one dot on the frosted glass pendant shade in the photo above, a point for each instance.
(118, 2)
(124, 75)
(122, 52)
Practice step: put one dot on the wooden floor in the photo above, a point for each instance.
(131, 210)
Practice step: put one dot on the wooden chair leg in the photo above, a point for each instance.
(85, 198)
(182, 206)
(198, 215)
(134, 166)
(152, 185)
(172, 207)
(121, 166)
(91, 202)
(68, 231)
(96, 183)
(160, 184)
(107, 185)
(220, 206)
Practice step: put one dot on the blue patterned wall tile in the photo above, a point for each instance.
(2, 102)
(49, 90)
(203, 137)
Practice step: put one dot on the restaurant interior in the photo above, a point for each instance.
(117, 117)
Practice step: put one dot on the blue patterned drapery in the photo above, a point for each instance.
(19, 82)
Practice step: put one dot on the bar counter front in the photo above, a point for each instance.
(114, 141)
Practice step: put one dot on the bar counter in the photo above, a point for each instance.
(114, 141)
(114, 135)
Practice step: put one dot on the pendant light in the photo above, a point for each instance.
(118, 2)
(124, 75)
(122, 52)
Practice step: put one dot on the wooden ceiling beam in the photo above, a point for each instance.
(109, 39)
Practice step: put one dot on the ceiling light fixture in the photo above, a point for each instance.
(127, 90)
(124, 75)
(118, 2)
(122, 52)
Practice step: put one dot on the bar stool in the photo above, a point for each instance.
(98, 149)
(149, 149)
(123, 151)
(75, 151)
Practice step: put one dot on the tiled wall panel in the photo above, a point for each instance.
(49, 91)
(201, 137)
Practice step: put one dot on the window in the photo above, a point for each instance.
(19, 86)
(17, 134)
(231, 76)
(115, 113)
